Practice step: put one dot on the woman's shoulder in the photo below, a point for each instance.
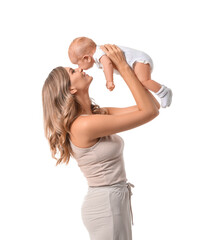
(77, 136)
(81, 119)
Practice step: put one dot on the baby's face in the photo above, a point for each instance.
(86, 62)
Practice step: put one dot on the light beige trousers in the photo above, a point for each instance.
(106, 212)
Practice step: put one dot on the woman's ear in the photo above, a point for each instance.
(73, 90)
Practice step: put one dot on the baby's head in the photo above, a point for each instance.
(81, 52)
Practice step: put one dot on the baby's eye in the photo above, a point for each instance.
(73, 71)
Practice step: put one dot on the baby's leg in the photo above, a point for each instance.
(143, 72)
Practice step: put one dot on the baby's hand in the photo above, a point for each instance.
(110, 85)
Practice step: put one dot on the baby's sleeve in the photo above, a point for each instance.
(97, 55)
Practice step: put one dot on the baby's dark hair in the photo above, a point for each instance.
(79, 47)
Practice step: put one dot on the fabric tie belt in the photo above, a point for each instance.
(129, 185)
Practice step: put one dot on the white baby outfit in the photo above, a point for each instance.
(131, 55)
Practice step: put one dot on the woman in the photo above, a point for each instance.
(78, 128)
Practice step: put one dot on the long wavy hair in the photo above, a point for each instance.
(60, 109)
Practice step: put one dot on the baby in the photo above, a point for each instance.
(84, 52)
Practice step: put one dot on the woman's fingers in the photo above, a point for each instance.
(112, 48)
(105, 48)
(116, 47)
(109, 47)
(114, 53)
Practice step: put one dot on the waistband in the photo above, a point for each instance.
(122, 183)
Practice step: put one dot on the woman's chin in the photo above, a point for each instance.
(90, 78)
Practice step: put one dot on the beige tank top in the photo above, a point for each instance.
(103, 163)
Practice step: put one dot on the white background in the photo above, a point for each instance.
(168, 160)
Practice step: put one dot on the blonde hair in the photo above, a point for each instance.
(79, 47)
(60, 109)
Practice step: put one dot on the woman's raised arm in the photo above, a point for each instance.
(117, 110)
(96, 125)
(143, 100)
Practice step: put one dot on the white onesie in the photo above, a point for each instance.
(131, 55)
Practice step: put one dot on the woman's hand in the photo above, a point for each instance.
(115, 54)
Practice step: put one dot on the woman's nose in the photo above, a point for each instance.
(79, 69)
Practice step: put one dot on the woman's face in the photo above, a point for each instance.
(79, 80)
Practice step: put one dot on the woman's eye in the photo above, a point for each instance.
(73, 71)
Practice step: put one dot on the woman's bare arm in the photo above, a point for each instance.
(97, 125)
(116, 110)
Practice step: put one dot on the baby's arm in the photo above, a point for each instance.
(108, 70)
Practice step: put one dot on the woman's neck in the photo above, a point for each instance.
(85, 102)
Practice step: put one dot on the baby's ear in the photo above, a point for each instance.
(87, 58)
